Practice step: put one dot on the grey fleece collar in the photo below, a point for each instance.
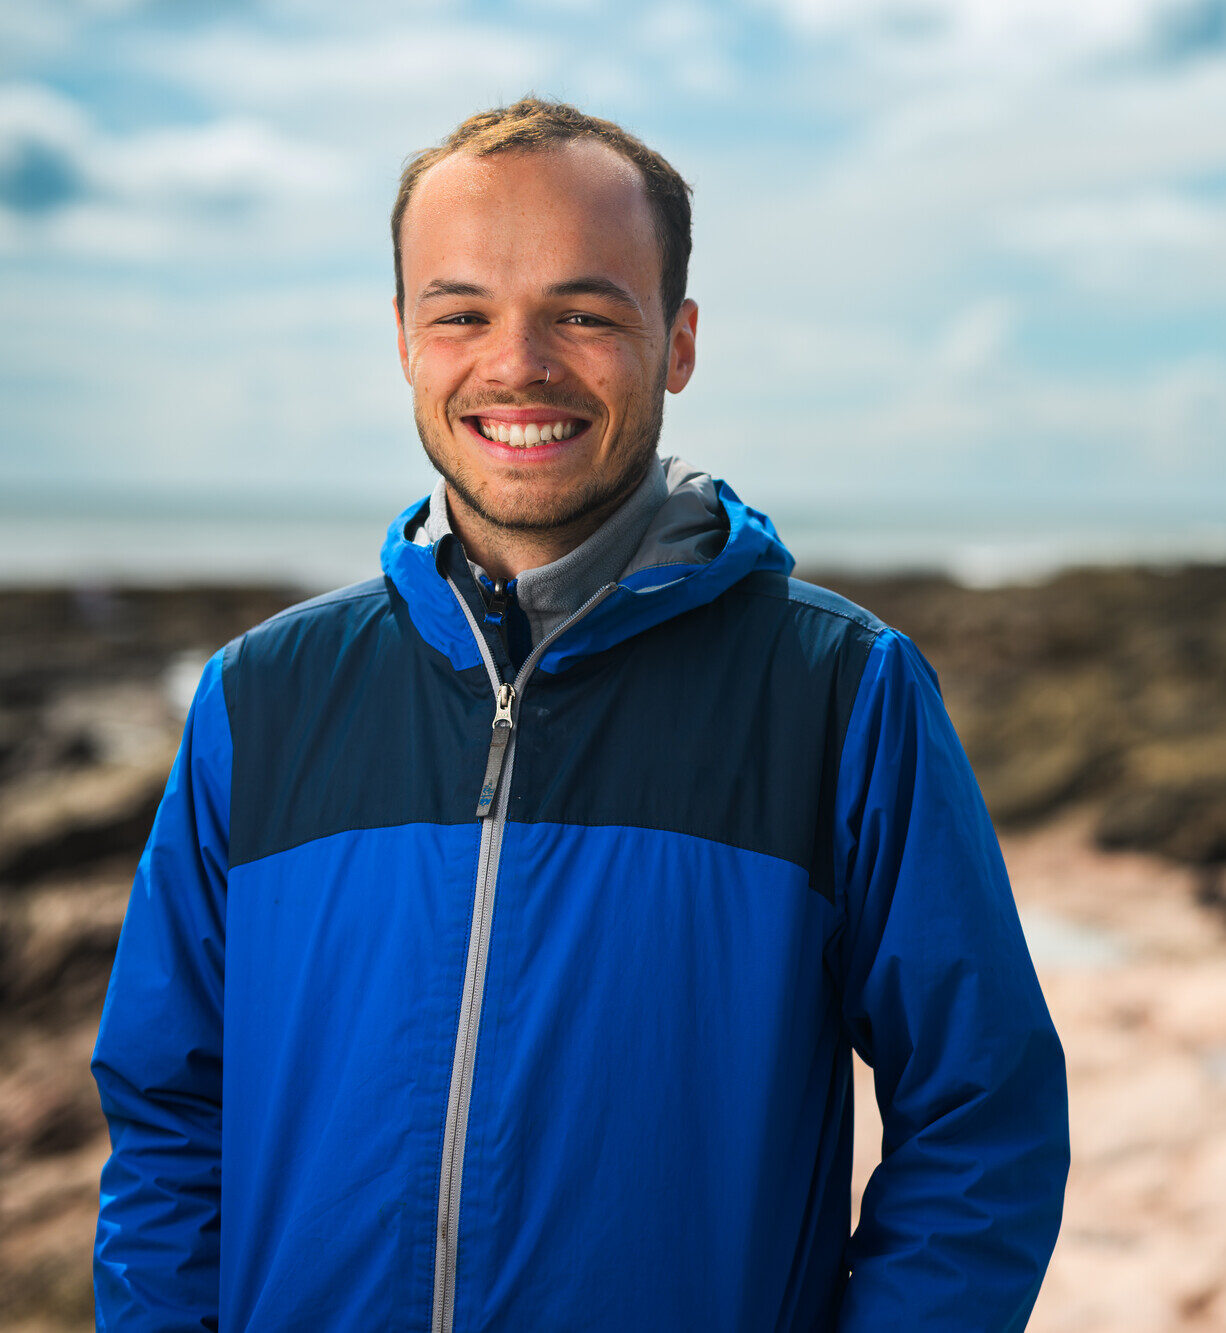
(549, 594)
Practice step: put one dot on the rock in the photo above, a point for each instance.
(57, 941)
(55, 823)
(1098, 686)
(1184, 821)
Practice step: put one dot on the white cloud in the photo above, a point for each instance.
(386, 66)
(865, 296)
(70, 186)
(1166, 245)
(822, 362)
(32, 32)
(895, 217)
(974, 340)
(1015, 434)
(31, 109)
(677, 23)
(934, 39)
(1186, 418)
(221, 391)
(229, 161)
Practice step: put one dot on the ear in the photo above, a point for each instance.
(404, 351)
(681, 347)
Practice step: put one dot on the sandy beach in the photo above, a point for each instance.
(1092, 707)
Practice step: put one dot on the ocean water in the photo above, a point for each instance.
(315, 551)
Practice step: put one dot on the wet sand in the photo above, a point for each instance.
(1134, 972)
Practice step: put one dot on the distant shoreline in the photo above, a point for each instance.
(320, 551)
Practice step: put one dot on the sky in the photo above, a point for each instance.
(959, 253)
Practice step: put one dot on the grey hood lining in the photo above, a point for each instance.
(690, 527)
(673, 518)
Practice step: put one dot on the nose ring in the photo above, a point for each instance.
(546, 374)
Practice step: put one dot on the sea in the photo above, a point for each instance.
(317, 549)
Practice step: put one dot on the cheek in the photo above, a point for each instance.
(613, 373)
(435, 366)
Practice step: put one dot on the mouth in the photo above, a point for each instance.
(526, 430)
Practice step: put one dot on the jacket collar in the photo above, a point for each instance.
(549, 594)
(701, 540)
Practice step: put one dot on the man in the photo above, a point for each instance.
(502, 940)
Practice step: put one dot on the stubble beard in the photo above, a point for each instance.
(637, 440)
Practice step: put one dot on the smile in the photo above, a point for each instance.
(527, 435)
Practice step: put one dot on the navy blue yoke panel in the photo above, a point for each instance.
(348, 719)
(671, 731)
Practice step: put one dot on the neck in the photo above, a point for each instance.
(504, 553)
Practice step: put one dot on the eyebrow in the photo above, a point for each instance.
(585, 286)
(449, 287)
(595, 286)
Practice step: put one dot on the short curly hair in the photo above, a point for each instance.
(531, 124)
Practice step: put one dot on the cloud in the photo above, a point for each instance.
(42, 142)
(1187, 415)
(932, 40)
(1017, 435)
(246, 67)
(920, 201)
(930, 182)
(279, 391)
(1167, 245)
(68, 186)
(975, 339)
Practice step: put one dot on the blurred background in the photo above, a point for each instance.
(961, 269)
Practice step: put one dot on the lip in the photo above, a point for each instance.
(523, 416)
(528, 454)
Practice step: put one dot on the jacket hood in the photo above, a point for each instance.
(702, 540)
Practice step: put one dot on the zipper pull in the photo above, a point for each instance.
(497, 604)
(498, 749)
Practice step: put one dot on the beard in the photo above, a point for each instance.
(629, 456)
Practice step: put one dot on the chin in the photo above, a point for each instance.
(535, 514)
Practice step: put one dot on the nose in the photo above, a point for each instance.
(514, 357)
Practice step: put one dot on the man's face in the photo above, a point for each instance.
(522, 264)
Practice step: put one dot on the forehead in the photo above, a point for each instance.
(577, 207)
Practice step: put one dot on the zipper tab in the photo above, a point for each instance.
(498, 749)
(497, 604)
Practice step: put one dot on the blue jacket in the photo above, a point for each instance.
(375, 1061)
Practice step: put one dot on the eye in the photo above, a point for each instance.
(462, 320)
(588, 321)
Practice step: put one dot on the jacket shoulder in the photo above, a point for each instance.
(801, 600)
(309, 635)
(325, 607)
(314, 615)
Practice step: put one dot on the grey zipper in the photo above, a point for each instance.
(492, 810)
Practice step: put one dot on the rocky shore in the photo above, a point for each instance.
(1093, 708)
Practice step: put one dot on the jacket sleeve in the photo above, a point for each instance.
(157, 1061)
(940, 997)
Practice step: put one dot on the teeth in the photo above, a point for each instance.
(525, 437)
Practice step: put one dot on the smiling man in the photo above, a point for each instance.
(507, 926)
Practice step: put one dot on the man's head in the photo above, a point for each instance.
(531, 125)
(534, 282)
